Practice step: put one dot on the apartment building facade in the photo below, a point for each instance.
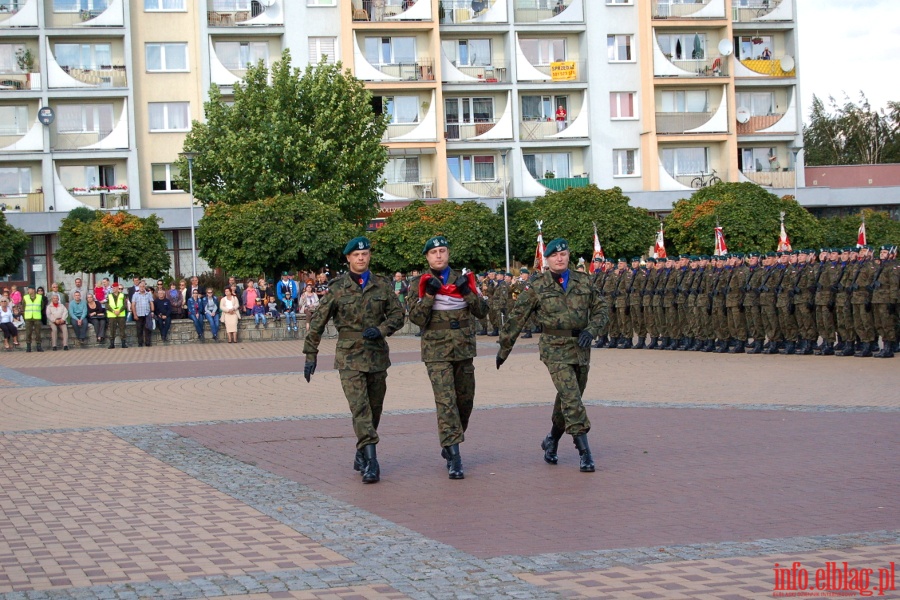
(485, 98)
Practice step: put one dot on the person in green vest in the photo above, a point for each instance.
(116, 307)
(34, 303)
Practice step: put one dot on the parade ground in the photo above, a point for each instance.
(217, 471)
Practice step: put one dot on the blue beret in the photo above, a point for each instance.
(357, 243)
(557, 245)
(437, 241)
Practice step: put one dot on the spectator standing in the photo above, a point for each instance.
(286, 284)
(129, 295)
(231, 314)
(195, 285)
(6, 325)
(309, 302)
(194, 309)
(57, 315)
(162, 308)
(210, 306)
(33, 314)
(116, 305)
(321, 285)
(176, 301)
(79, 287)
(561, 116)
(102, 291)
(96, 316)
(54, 289)
(44, 302)
(401, 288)
(249, 297)
(142, 308)
(78, 313)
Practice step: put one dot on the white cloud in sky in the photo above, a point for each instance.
(848, 46)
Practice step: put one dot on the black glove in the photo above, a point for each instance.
(462, 285)
(585, 339)
(836, 287)
(432, 286)
(500, 360)
(764, 288)
(308, 369)
(371, 333)
(876, 285)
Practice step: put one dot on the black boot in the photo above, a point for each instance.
(698, 345)
(828, 349)
(807, 347)
(483, 332)
(865, 350)
(710, 346)
(738, 348)
(454, 462)
(721, 346)
(586, 464)
(626, 344)
(613, 342)
(847, 349)
(39, 349)
(359, 461)
(886, 352)
(601, 342)
(640, 344)
(446, 456)
(372, 472)
(757, 347)
(494, 333)
(551, 444)
(527, 334)
(654, 343)
(673, 344)
(684, 344)
(789, 347)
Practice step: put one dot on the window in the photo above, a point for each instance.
(84, 118)
(620, 1)
(8, 62)
(755, 47)
(236, 56)
(322, 46)
(13, 120)
(169, 116)
(686, 161)
(624, 163)
(683, 46)
(758, 159)
(390, 50)
(15, 181)
(621, 105)
(163, 5)
(229, 5)
(402, 170)
(164, 176)
(321, 2)
(543, 108)
(469, 110)
(87, 176)
(166, 57)
(760, 104)
(402, 109)
(618, 48)
(472, 168)
(542, 52)
(73, 6)
(546, 163)
(83, 56)
(468, 53)
(685, 101)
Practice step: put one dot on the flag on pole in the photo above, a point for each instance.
(539, 251)
(659, 250)
(721, 248)
(598, 251)
(861, 235)
(784, 242)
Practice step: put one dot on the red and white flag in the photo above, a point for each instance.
(721, 248)
(784, 242)
(659, 250)
(539, 251)
(861, 235)
(598, 251)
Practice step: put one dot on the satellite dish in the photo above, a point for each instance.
(726, 47)
(787, 63)
(743, 115)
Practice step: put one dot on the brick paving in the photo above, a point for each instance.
(215, 471)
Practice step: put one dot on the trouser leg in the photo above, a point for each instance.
(884, 323)
(568, 409)
(359, 394)
(450, 411)
(863, 323)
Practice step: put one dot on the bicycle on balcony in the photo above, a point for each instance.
(705, 179)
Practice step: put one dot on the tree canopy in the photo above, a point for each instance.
(851, 133)
(623, 230)
(287, 134)
(120, 243)
(272, 235)
(13, 244)
(474, 231)
(881, 230)
(748, 214)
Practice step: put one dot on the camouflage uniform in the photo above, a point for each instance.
(623, 315)
(827, 275)
(884, 290)
(659, 310)
(843, 313)
(719, 315)
(648, 293)
(499, 302)
(751, 306)
(361, 363)
(861, 303)
(734, 305)
(636, 302)
(682, 303)
(561, 314)
(448, 347)
(804, 305)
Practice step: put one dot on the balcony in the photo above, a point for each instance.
(495, 73)
(456, 132)
(464, 12)
(758, 123)
(689, 9)
(392, 10)
(103, 76)
(14, 81)
(783, 66)
(420, 70)
(755, 11)
(18, 13)
(98, 199)
(549, 11)
(781, 179)
(110, 15)
(530, 131)
(411, 189)
(558, 72)
(484, 189)
(243, 13)
(681, 122)
(559, 184)
(696, 180)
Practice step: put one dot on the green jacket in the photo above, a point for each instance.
(353, 310)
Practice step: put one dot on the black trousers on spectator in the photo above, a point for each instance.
(143, 334)
(163, 326)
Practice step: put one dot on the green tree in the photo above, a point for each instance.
(623, 229)
(13, 244)
(748, 214)
(474, 231)
(76, 253)
(839, 232)
(129, 246)
(271, 235)
(287, 134)
(851, 133)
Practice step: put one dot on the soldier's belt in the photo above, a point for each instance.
(448, 325)
(561, 332)
(350, 335)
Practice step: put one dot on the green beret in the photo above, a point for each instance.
(621, 259)
(557, 245)
(848, 249)
(507, 274)
(770, 254)
(284, 273)
(651, 260)
(886, 248)
(635, 258)
(704, 257)
(738, 255)
(523, 270)
(357, 243)
(437, 241)
(753, 255)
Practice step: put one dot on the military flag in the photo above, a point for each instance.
(784, 242)
(861, 235)
(598, 251)
(720, 248)
(539, 251)
(659, 250)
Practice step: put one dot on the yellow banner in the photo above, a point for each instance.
(563, 70)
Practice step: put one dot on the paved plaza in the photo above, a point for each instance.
(216, 471)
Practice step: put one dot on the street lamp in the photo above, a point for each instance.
(190, 158)
(505, 213)
(795, 150)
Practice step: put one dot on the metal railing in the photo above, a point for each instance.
(758, 123)
(534, 11)
(680, 122)
(677, 10)
(689, 178)
(104, 200)
(421, 70)
(783, 178)
(485, 189)
(75, 141)
(713, 66)
(752, 10)
(395, 130)
(71, 19)
(580, 74)
(10, 11)
(411, 189)
(105, 76)
(467, 131)
(539, 130)
(496, 72)
(18, 81)
(383, 10)
(462, 11)
(225, 13)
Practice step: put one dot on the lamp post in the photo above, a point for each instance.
(795, 150)
(190, 159)
(505, 213)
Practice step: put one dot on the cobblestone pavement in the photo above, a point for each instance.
(215, 471)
